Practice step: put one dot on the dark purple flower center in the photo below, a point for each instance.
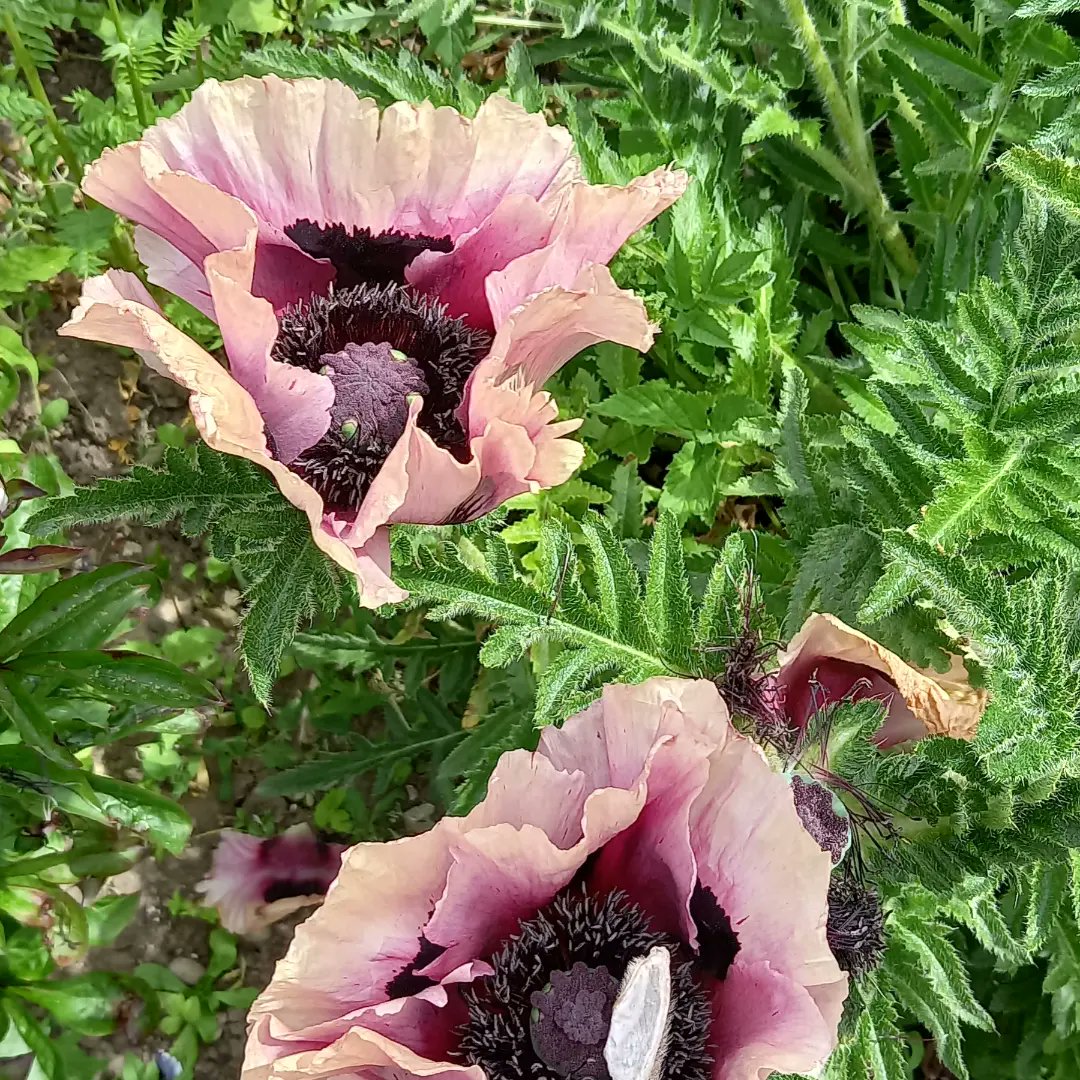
(545, 1012)
(379, 342)
(378, 345)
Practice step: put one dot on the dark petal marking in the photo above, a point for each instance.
(283, 890)
(406, 982)
(718, 944)
(359, 257)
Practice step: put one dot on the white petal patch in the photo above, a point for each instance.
(637, 1040)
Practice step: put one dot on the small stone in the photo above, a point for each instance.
(187, 969)
(418, 819)
(398, 355)
(349, 429)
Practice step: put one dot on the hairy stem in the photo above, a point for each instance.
(29, 70)
(852, 138)
(137, 94)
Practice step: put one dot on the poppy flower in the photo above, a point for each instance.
(827, 661)
(641, 881)
(255, 881)
(392, 289)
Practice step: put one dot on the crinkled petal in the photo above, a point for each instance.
(288, 149)
(448, 173)
(173, 271)
(536, 340)
(361, 1054)
(750, 846)
(114, 309)
(943, 704)
(590, 224)
(765, 1022)
(196, 219)
(294, 402)
(667, 728)
(367, 931)
(516, 226)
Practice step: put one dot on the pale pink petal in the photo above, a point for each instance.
(919, 701)
(425, 1022)
(367, 931)
(535, 341)
(517, 226)
(420, 483)
(448, 173)
(765, 1022)
(288, 149)
(171, 270)
(591, 223)
(197, 219)
(517, 871)
(665, 730)
(750, 846)
(114, 309)
(294, 402)
(361, 1055)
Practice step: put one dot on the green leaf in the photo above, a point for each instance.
(20, 267)
(668, 610)
(692, 481)
(37, 1038)
(145, 680)
(79, 613)
(660, 406)
(87, 1003)
(941, 60)
(1053, 179)
(289, 588)
(16, 354)
(142, 811)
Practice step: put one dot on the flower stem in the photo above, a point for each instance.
(852, 138)
(30, 72)
(139, 97)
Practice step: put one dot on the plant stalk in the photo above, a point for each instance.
(852, 139)
(142, 111)
(29, 70)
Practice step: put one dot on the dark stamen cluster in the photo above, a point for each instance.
(544, 1012)
(437, 354)
(856, 926)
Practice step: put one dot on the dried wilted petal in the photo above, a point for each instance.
(393, 289)
(495, 944)
(828, 661)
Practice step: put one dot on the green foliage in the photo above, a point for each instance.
(287, 580)
(863, 399)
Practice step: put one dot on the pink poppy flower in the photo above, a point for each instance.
(254, 882)
(393, 290)
(646, 836)
(828, 661)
